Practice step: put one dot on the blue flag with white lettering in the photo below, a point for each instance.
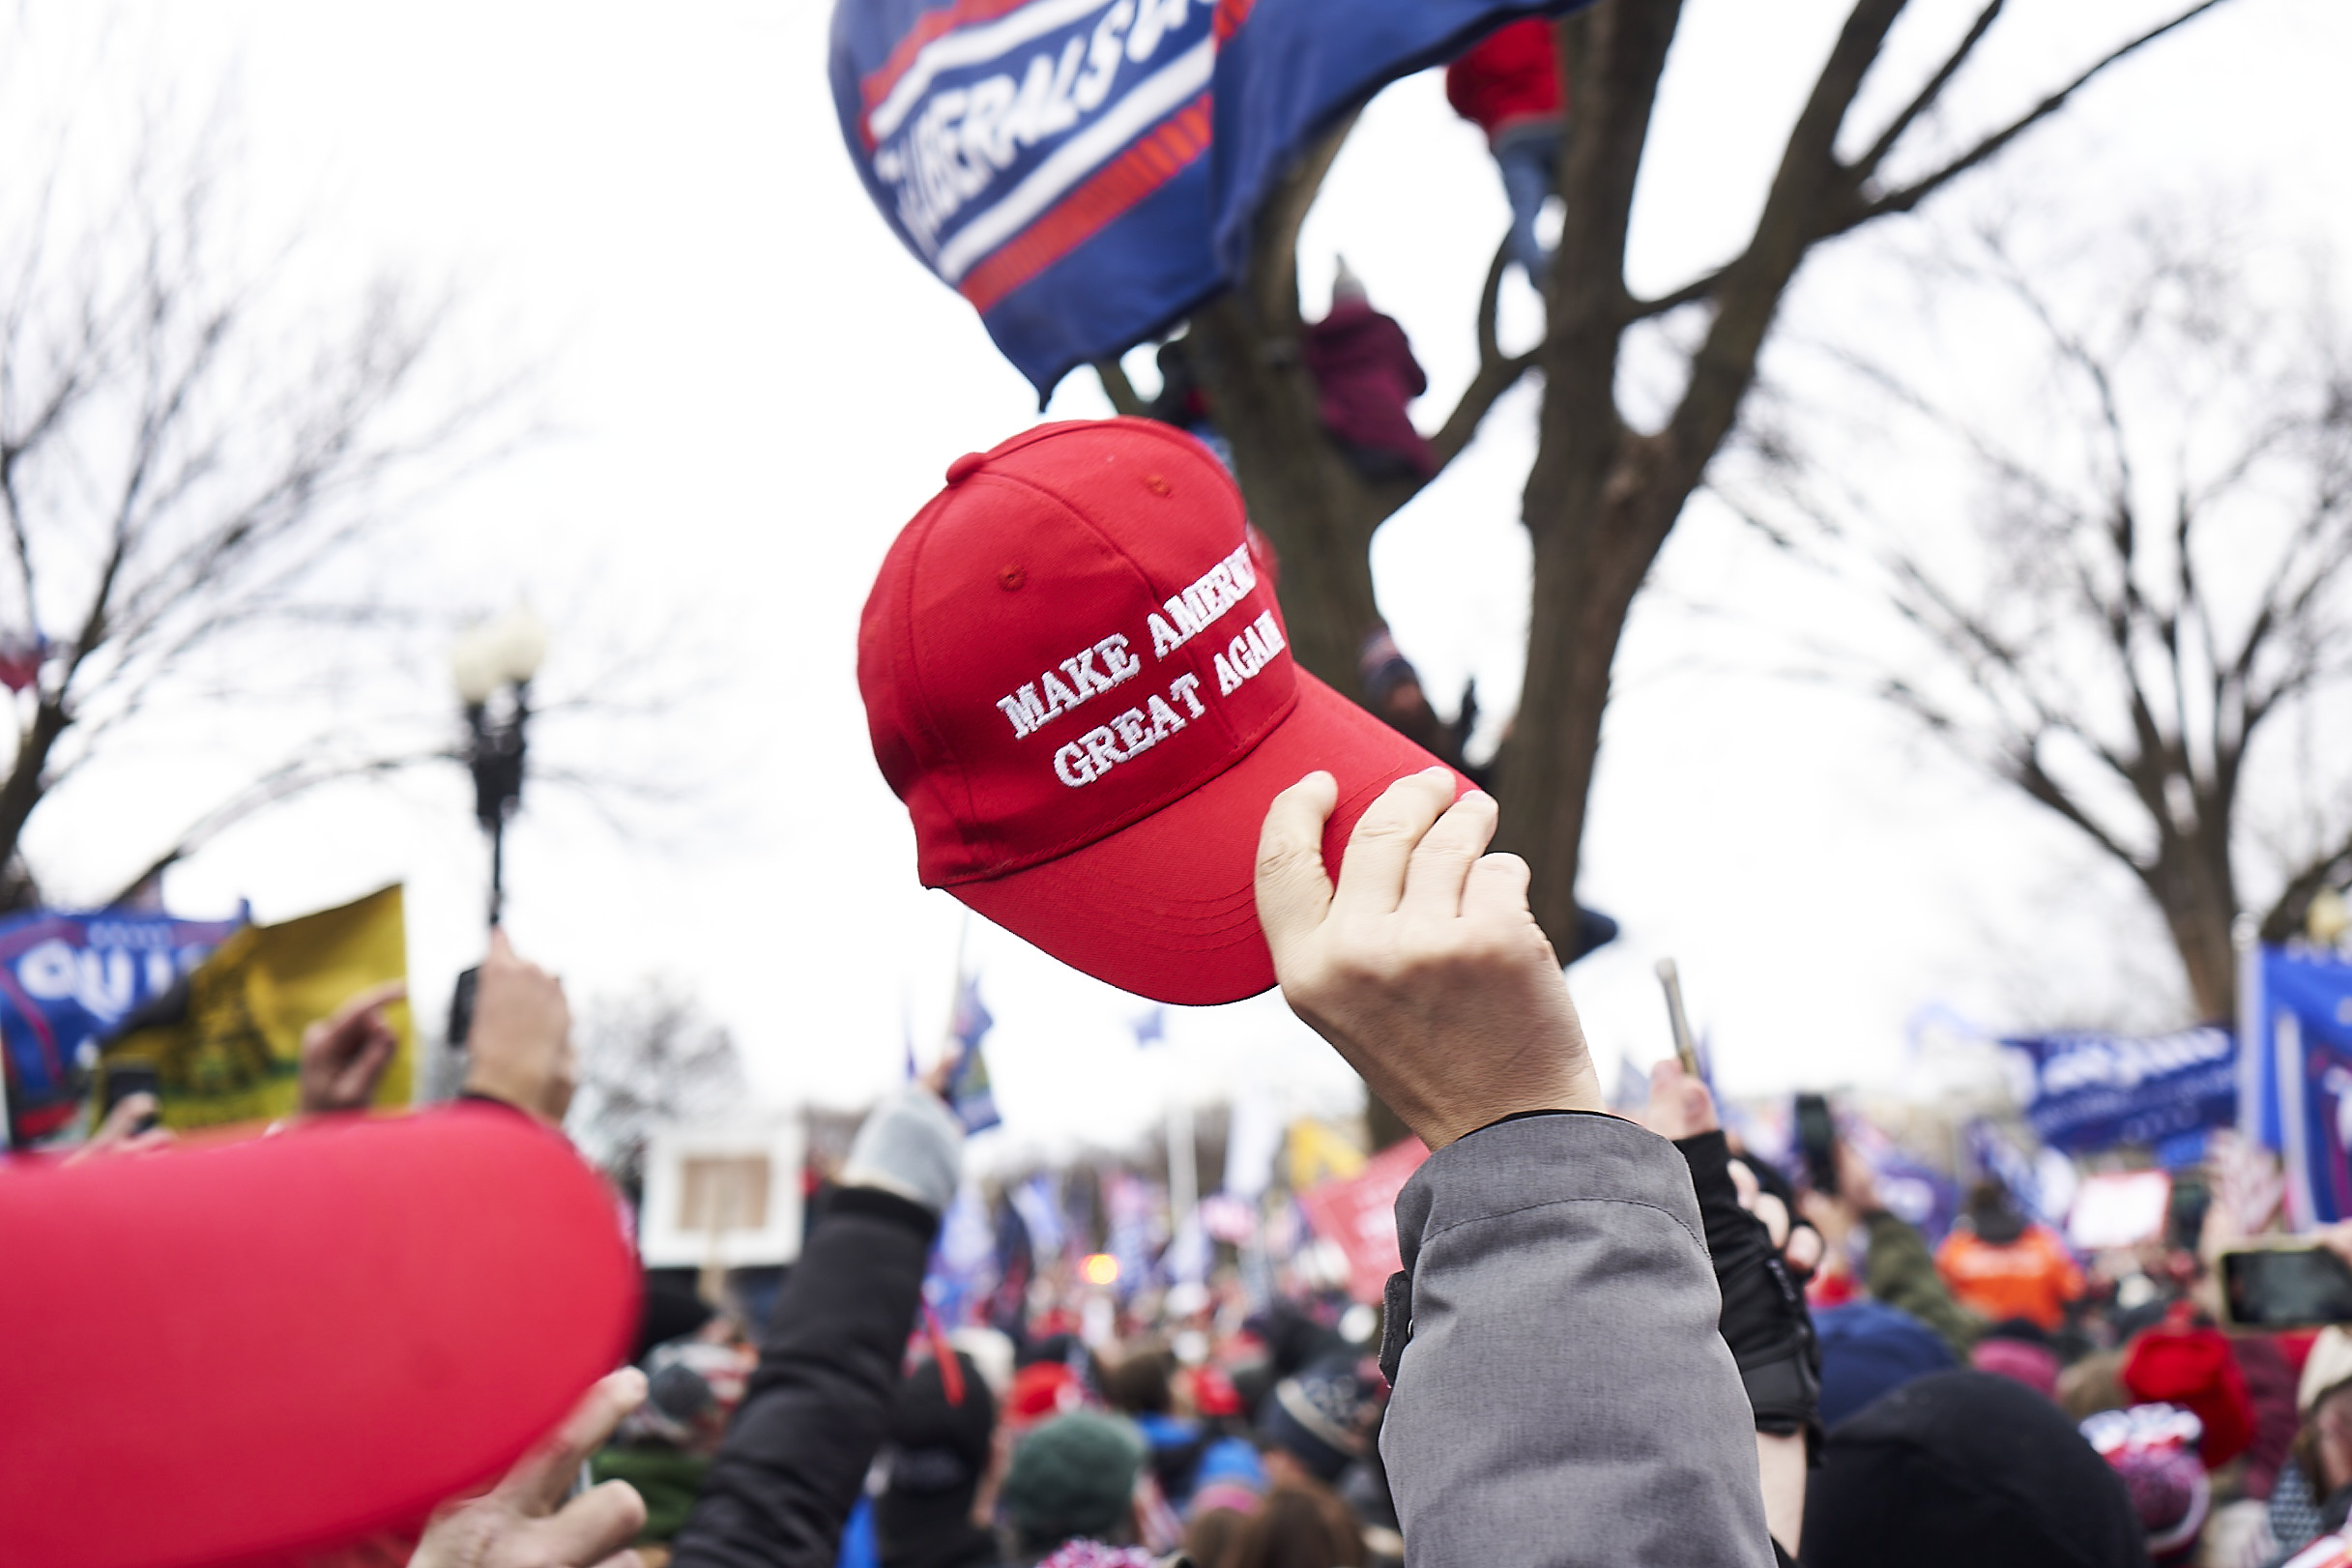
(67, 982)
(2095, 1091)
(1046, 159)
(1051, 160)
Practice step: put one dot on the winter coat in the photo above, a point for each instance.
(1563, 1391)
(1901, 1274)
(816, 1410)
(1365, 373)
(2033, 1277)
(1510, 78)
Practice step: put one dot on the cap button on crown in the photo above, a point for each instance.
(964, 467)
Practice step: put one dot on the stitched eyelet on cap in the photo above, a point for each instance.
(963, 467)
(1012, 577)
(1156, 484)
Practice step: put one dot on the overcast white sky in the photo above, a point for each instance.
(756, 387)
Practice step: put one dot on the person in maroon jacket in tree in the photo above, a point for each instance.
(1509, 86)
(1365, 373)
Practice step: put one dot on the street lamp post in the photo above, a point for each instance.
(491, 666)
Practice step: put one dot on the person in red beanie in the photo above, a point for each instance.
(2185, 1363)
(1509, 87)
(1042, 1391)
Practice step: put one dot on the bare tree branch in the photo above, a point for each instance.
(1906, 197)
(1863, 167)
(1497, 372)
(1118, 389)
(283, 783)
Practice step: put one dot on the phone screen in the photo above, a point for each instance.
(2286, 1287)
(125, 1079)
(1817, 1140)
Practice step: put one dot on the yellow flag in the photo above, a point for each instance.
(236, 1052)
(1321, 1153)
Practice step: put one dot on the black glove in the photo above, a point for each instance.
(1768, 1178)
(1764, 1320)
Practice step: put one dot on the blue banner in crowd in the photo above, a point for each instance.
(1050, 160)
(2094, 1091)
(2299, 1013)
(67, 982)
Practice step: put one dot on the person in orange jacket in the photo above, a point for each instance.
(2000, 1266)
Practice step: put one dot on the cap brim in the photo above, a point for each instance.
(257, 1352)
(1165, 907)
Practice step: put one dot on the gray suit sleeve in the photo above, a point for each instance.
(1565, 1396)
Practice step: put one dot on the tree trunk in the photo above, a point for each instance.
(1593, 545)
(1302, 495)
(2195, 887)
(28, 777)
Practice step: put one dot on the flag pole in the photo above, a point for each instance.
(1684, 1048)
(2245, 935)
(955, 995)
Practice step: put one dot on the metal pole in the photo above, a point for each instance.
(2246, 936)
(1183, 1172)
(1685, 1049)
(497, 869)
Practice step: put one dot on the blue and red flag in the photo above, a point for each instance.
(1287, 70)
(1045, 158)
(2297, 1003)
(67, 982)
(1052, 159)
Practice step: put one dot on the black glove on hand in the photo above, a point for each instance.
(1764, 1320)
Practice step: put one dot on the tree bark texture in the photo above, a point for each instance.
(1601, 497)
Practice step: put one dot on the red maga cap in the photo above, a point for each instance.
(254, 1352)
(1078, 680)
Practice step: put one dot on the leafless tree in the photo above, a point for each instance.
(204, 452)
(2150, 597)
(1604, 491)
(649, 1059)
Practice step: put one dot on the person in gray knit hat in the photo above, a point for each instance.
(1320, 1421)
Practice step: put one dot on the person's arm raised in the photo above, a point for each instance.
(1563, 1394)
(1423, 967)
(519, 1052)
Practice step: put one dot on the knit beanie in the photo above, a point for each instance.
(933, 1456)
(2178, 1363)
(1963, 1469)
(2153, 1449)
(937, 1443)
(1869, 1350)
(2019, 1361)
(1321, 1417)
(2326, 1366)
(1040, 1390)
(1074, 1475)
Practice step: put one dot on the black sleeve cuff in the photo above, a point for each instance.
(877, 1203)
(1523, 1115)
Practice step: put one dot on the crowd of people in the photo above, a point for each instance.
(1615, 1340)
